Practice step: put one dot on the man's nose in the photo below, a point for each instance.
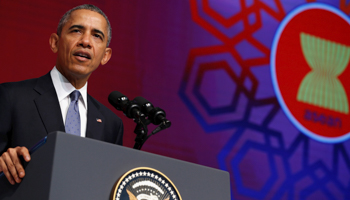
(85, 41)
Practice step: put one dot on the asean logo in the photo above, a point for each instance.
(310, 71)
(145, 183)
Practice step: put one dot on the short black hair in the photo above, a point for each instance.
(94, 8)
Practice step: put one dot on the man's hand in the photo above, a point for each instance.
(11, 165)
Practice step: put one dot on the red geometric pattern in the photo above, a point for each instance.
(254, 146)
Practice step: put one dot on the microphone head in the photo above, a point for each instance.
(146, 106)
(157, 115)
(118, 100)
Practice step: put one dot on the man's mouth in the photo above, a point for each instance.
(83, 55)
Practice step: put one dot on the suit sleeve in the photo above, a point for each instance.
(120, 132)
(5, 119)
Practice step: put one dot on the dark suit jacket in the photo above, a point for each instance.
(29, 110)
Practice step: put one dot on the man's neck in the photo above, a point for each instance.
(77, 81)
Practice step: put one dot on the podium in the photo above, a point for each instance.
(70, 167)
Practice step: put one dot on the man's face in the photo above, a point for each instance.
(81, 47)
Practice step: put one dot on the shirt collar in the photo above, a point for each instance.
(63, 87)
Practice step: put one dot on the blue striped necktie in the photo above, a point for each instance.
(73, 117)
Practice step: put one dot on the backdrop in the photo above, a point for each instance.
(258, 88)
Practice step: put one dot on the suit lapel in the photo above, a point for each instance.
(51, 115)
(95, 120)
(48, 105)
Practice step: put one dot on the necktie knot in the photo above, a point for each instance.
(74, 96)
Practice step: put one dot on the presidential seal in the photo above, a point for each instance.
(145, 183)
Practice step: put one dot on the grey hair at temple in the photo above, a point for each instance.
(66, 16)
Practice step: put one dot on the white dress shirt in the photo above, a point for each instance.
(63, 89)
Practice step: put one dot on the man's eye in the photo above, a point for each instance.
(75, 31)
(98, 36)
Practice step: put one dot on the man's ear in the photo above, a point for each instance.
(106, 56)
(53, 41)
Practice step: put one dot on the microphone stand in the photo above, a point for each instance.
(141, 130)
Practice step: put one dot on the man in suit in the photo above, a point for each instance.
(31, 109)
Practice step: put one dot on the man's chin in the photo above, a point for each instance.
(83, 71)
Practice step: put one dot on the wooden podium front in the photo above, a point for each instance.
(70, 167)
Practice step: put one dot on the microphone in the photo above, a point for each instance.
(138, 109)
(121, 102)
(155, 114)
